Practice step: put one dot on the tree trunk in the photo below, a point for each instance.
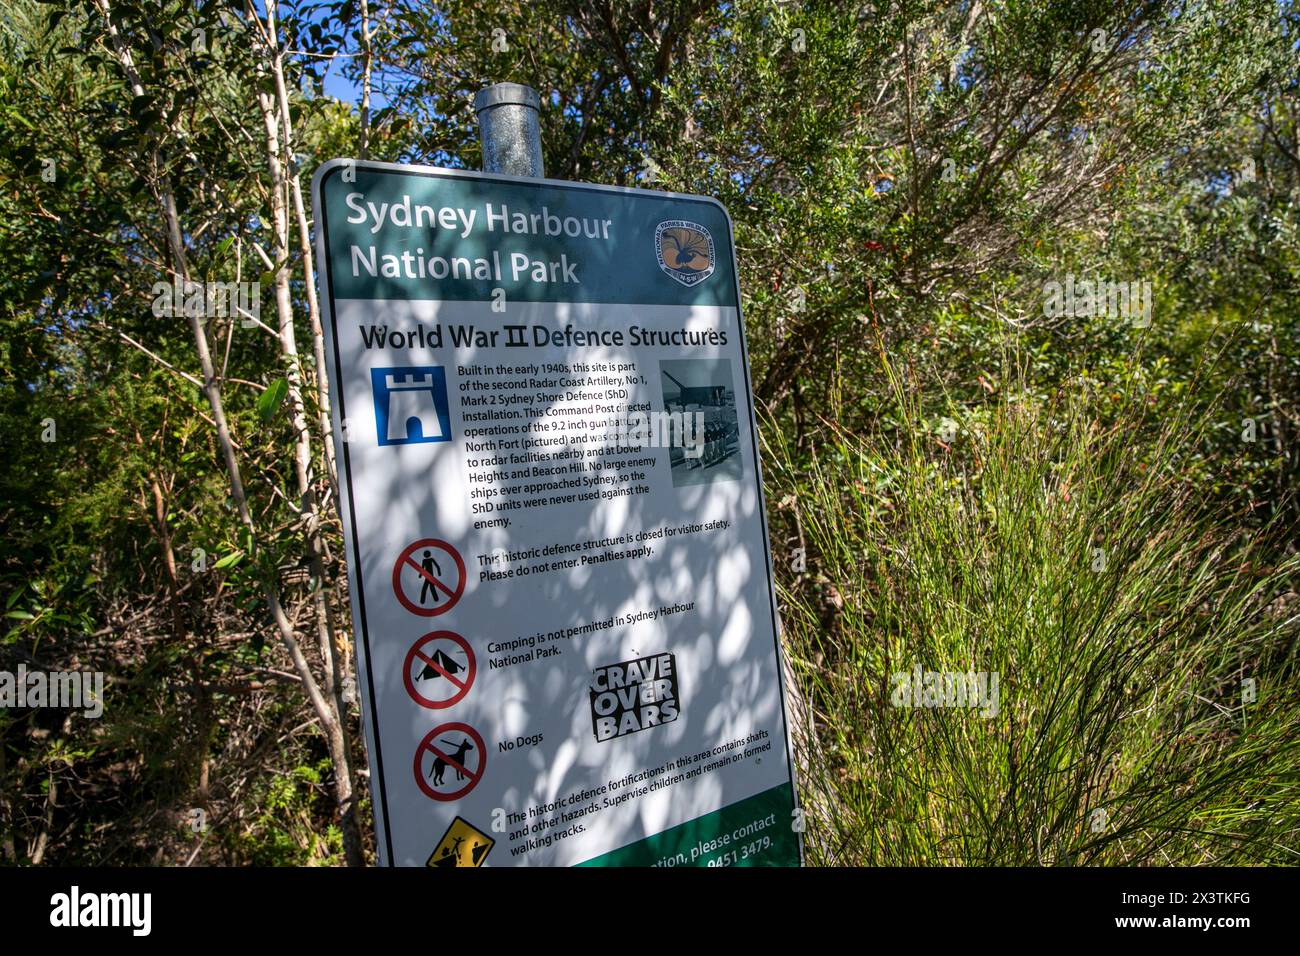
(331, 726)
(336, 730)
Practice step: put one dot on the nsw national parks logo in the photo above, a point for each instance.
(685, 250)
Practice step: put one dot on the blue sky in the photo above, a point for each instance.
(339, 86)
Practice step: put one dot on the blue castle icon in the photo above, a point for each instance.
(410, 405)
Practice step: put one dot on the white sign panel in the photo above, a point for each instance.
(557, 550)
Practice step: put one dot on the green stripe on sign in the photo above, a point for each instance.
(754, 832)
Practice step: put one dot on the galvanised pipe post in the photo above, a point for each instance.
(509, 129)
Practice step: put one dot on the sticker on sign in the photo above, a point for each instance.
(550, 447)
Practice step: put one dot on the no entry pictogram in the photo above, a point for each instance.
(456, 758)
(420, 577)
(440, 669)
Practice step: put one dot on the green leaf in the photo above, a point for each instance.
(230, 560)
(271, 399)
(21, 616)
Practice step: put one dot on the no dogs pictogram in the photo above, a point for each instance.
(421, 577)
(450, 761)
(440, 668)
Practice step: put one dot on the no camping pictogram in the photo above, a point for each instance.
(429, 577)
(440, 669)
(450, 761)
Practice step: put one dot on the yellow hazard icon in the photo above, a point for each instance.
(462, 845)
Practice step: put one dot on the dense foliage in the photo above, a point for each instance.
(947, 449)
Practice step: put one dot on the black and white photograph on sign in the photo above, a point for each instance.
(706, 442)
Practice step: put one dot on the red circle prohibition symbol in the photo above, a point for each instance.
(449, 763)
(434, 669)
(405, 560)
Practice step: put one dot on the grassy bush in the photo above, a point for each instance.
(1124, 621)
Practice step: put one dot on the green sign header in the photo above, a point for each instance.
(451, 235)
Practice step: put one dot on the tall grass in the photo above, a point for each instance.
(1123, 617)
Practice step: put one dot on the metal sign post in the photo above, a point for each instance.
(509, 129)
